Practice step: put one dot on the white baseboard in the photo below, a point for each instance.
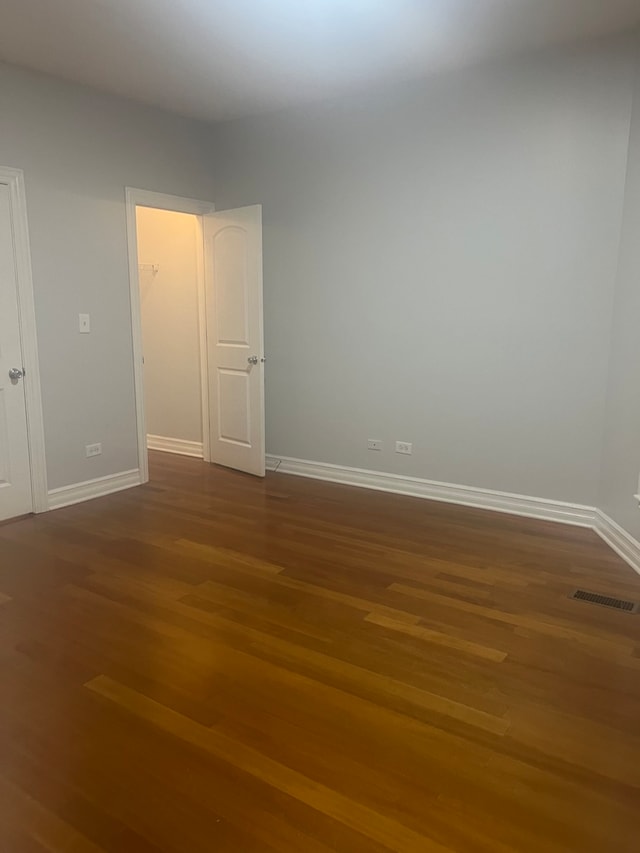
(576, 514)
(89, 489)
(175, 445)
(617, 538)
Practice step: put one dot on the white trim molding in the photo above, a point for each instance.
(577, 515)
(617, 538)
(530, 507)
(161, 201)
(14, 179)
(175, 445)
(202, 334)
(165, 201)
(89, 489)
(567, 513)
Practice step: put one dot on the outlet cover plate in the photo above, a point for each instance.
(405, 447)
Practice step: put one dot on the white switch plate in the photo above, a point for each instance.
(404, 447)
(374, 444)
(93, 450)
(84, 324)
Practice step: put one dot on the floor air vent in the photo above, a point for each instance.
(606, 601)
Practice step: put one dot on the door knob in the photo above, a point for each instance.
(15, 373)
(253, 359)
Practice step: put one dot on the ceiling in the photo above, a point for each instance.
(220, 59)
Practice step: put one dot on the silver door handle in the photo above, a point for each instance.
(253, 359)
(15, 373)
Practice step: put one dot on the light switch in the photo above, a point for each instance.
(84, 324)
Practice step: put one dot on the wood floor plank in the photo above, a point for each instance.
(286, 665)
(365, 605)
(361, 680)
(41, 825)
(371, 824)
(615, 645)
(437, 637)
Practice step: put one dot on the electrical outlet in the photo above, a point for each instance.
(374, 444)
(93, 450)
(404, 447)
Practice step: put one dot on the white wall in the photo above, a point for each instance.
(439, 268)
(621, 456)
(170, 333)
(79, 150)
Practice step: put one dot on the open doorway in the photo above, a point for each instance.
(171, 279)
(197, 330)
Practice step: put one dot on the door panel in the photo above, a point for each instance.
(233, 271)
(230, 265)
(234, 406)
(15, 471)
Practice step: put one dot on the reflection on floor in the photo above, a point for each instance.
(212, 662)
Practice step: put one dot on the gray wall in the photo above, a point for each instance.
(79, 149)
(170, 328)
(440, 263)
(621, 456)
(439, 268)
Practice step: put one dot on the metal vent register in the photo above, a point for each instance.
(605, 601)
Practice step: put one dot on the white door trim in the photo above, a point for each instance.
(14, 179)
(162, 201)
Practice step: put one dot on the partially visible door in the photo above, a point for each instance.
(233, 272)
(15, 470)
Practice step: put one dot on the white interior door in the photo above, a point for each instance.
(15, 470)
(233, 274)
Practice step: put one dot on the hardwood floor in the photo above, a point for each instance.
(216, 663)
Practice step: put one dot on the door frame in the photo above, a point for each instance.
(14, 179)
(179, 204)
